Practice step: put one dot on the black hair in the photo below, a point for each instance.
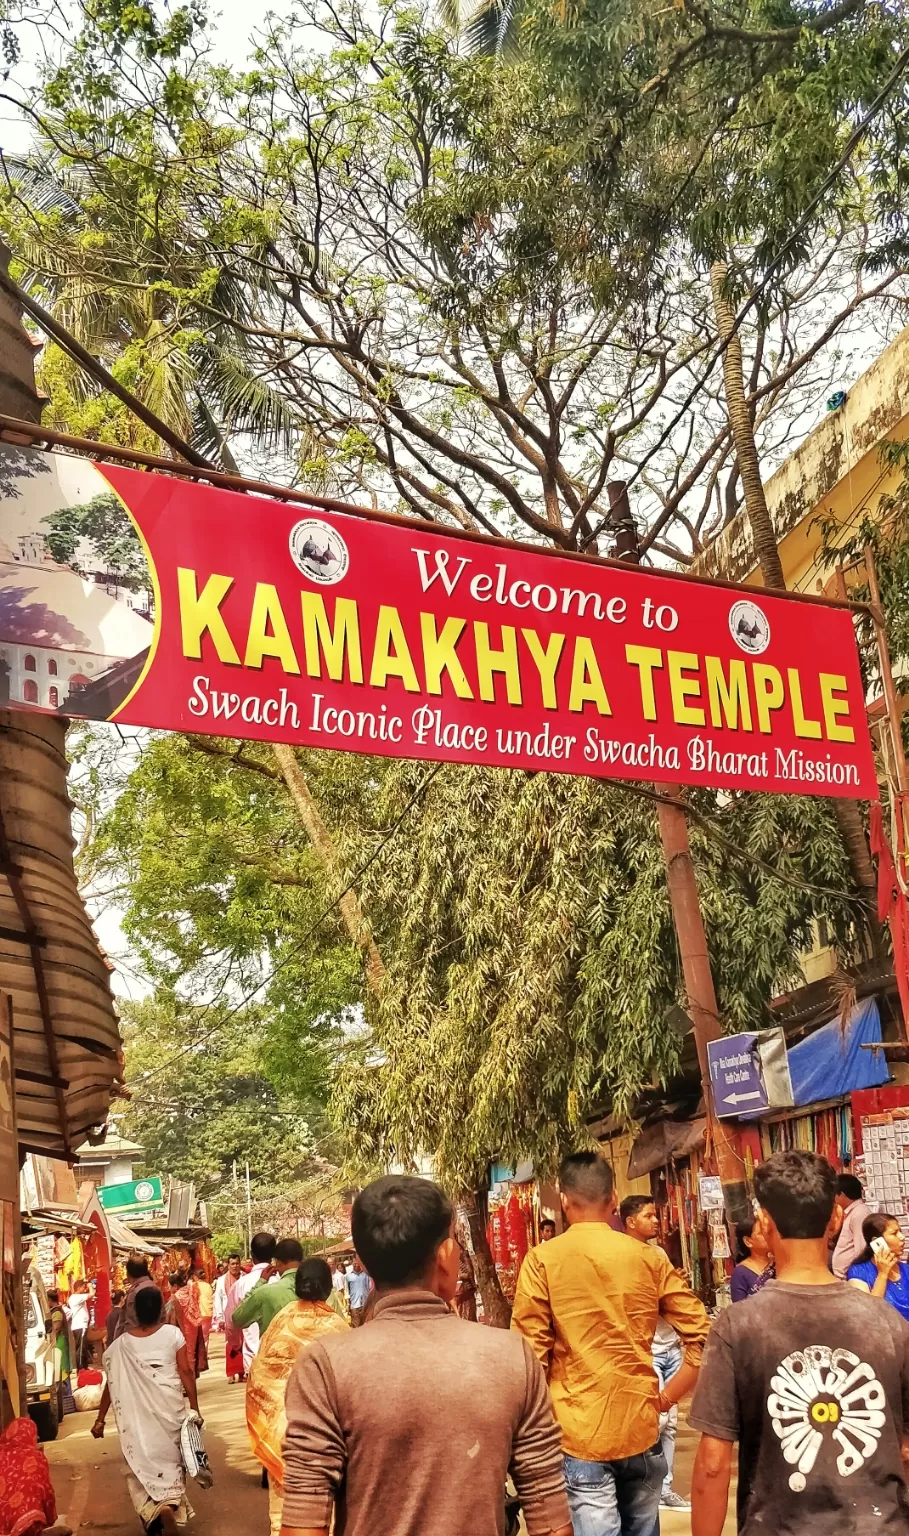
(149, 1304)
(53, 1297)
(398, 1224)
(116, 1297)
(547, 1222)
(847, 1184)
(237, 1256)
(632, 1204)
(136, 1268)
(874, 1225)
(743, 1229)
(288, 1251)
(797, 1189)
(262, 1248)
(587, 1176)
(313, 1280)
(176, 1281)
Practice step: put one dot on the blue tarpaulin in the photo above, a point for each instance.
(831, 1062)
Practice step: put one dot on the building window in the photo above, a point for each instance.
(30, 692)
(30, 664)
(78, 680)
(52, 667)
(53, 698)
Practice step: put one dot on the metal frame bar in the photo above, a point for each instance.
(12, 430)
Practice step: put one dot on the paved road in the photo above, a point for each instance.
(89, 1474)
(91, 1492)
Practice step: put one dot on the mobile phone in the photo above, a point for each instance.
(880, 1246)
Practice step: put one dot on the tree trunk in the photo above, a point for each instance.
(740, 422)
(355, 919)
(496, 1310)
(852, 830)
(847, 813)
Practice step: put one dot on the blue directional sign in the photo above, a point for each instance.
(749, 1073)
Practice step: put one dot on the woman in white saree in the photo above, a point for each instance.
(148, 1373)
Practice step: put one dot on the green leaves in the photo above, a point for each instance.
(532, 959)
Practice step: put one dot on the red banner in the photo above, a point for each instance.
(213, 612)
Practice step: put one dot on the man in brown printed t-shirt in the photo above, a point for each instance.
(810, 1376)
(410, 1425)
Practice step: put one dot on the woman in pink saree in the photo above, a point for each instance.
(185, 1296)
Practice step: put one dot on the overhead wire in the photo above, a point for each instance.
(299, 944)
(652, 795)
(736, 849)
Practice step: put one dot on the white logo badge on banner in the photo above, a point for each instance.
(318, 550)
(749, 626)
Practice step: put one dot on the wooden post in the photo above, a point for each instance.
(702, 1005)
(685, 901)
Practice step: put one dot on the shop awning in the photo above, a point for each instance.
(55, 1222)
(665, 1139)
(66, 1037)
(833, 1062)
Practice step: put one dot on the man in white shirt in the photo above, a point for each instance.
(223, 1285)
(262, 1250)
(640, 1221)
(850, 1243)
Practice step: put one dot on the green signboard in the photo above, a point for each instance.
(126, 1199)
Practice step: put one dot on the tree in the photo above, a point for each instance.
(200, 1101)
(113, 270)
(223, 895)
(112, 539)
(204, 1110)
(403, 279)
(390, 226)
(534, 968)
(747, 131)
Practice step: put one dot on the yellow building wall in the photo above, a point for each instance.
(834, 474)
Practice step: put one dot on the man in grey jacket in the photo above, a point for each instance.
(410, 1425)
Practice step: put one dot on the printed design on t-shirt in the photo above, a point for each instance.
(821, 1392)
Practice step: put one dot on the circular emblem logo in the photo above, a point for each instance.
(749, 626)
(319, 551)
(145, 1191)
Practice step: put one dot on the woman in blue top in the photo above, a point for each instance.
(754, 1262)
(883, 1274)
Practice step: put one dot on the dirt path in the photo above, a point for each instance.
(91, 1491)
(89, 1474)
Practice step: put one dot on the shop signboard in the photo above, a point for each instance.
(749, 1073)
(137, 1196)
(159, 601)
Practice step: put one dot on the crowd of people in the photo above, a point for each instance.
(422, 1423)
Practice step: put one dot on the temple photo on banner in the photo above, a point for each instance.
(76, 600)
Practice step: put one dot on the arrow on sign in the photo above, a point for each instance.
(741, 1098)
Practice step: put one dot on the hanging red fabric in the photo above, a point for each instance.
(891, 899)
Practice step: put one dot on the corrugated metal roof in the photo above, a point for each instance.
(126, 1240)
(66, 1034)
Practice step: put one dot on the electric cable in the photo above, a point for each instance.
(295, 948)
